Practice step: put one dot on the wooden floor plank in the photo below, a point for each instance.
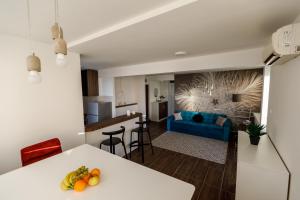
(212, 181)
(209, 193)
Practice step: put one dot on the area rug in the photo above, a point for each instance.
(200, 147)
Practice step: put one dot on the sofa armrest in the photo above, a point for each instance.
(170, 121)
(228, 123)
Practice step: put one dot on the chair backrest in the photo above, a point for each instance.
(40, 151)
(143, 124)
(111, 133)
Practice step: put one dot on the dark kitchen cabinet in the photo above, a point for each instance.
(159, 111)
(163, 110)
(89, 81)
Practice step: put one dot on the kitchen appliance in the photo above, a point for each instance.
(98, 111)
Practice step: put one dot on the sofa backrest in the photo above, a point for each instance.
(188, 115)
(208, 118)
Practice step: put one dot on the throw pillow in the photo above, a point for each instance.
(198, 118)
(177, 116)
(220, 121)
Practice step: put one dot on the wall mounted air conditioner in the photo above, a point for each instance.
(285, 45)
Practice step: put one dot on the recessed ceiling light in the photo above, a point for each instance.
(180, 53)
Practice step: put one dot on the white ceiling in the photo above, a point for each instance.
(77, 17)
(117, 32)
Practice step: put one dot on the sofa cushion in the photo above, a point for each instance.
(209, 118)
(177, 116)
(192, 124)
(198, 118)
(220, 121)
(185, 122)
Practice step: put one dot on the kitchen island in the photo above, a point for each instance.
(93, 132)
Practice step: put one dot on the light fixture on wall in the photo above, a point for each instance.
(33, 62)
(236, 97)
(180, 53)
(60, 45)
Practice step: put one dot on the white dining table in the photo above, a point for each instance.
(121, 179)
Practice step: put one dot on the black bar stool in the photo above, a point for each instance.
(143, 128)
(113, 141)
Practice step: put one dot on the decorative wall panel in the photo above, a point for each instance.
(214, 92)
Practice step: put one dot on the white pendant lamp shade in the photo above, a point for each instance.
(61, 60)
(60, 48)
(34, 68)
(34, 77)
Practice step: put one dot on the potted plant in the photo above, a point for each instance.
(255, 131)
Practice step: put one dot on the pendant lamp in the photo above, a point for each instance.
(33, 62)
(60, 45)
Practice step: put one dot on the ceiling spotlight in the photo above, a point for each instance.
(180, 53)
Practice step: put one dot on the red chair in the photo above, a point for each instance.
(40, 151)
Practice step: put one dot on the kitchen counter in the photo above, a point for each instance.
(110, 122)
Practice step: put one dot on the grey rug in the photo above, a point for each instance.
(200, 147)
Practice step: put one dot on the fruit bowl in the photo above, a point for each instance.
(79, 179)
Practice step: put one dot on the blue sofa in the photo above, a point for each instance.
(207, 128)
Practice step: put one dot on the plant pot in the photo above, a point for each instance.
(254, 140)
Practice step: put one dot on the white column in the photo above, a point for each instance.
(265, 98)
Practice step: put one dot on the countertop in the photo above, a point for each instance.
(112, 121)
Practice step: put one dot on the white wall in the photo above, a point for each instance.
(133, 92)
(32, 113)
(152, 85)
(283, 118)
(242, 59)
(106, 86)
(164, 86)
(265, 98)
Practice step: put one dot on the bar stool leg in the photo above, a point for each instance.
(114, 149)
(130, 145)
(110, 145)
(139, 142)
(125, 150)
(142, 145)
(150, 140)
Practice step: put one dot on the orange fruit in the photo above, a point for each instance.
(80, 185)
(95, 172)
(86, 178)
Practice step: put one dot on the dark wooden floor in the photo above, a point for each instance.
(213, 181)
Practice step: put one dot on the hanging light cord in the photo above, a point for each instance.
(56, 13)
(56, 16)
(29, 26)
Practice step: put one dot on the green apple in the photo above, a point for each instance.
(94, 180)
